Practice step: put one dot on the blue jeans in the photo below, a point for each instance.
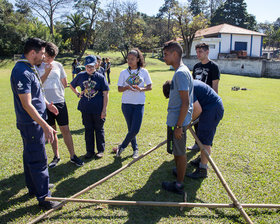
(133, 115)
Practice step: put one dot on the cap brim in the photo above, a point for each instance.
(92, 64)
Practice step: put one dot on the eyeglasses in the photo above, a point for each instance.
(90, 67)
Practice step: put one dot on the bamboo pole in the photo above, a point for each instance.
(97, 183)
(160, 203)
(224, 183)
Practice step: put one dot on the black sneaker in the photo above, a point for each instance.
(77, 161)
(196, 162)
(54, 162)
(89, 155)
(120, 150)
(173, 187)
(48, 204)
(198, 173)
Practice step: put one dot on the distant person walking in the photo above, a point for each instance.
(54, 81)
(108, 69)
(133, 82)
(75, 64)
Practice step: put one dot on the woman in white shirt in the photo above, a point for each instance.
(133, 82)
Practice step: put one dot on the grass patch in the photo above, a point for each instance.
(246, 150)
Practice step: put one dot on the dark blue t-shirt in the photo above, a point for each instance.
(93, 87)
(205, 95)
(23, 80)
(101, 70)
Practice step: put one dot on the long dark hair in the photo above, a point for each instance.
(138, 54)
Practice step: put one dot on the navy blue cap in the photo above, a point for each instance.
(90, 60)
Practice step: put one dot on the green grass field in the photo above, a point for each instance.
(246, 150)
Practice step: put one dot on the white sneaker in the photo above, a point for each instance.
(194, 147)
(135, 154)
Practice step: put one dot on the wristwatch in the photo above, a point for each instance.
(177, 126)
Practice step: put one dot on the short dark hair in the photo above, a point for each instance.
(51, 49)
(173, 46)
(138, 54)
(35, 44)
(203, 46)
(166, 88)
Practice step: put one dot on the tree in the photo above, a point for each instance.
(76, 31)
(124, 26)
(188, 25)
(234, 12)
(214, 5)
(165, 10)
(89, 9)
(45, 9)
(198, 6)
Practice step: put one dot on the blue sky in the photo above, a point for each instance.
(264, 10)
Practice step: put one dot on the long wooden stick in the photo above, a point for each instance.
(97, 183)
(160, 203)
(224, 183)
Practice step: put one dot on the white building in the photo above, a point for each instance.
(225, 38)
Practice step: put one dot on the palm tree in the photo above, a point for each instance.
(76, 27)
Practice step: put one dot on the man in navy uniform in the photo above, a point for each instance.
(30, 108)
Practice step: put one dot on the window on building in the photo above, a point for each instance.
(212, 46)
(240, 46)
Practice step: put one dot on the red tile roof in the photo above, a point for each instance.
(226, 28)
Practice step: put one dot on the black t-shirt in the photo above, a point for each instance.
(206, 72)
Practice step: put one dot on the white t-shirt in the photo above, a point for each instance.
(53, 87)
(126, 78)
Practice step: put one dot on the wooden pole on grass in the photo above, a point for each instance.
(224, 183)
(96, 184)
(160, 204)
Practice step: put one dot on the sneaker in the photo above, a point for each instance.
(196, 162)
(198, 173)
(120, 150)
(77, 161)
(54, 162)
(48, 204)
(100, 155)
(135, 154)
(89, 155)
(173, 187)
(194, 147)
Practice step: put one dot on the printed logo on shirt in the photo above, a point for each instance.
(201, 74)
(89, 91)
(134, 79)
(20, 85)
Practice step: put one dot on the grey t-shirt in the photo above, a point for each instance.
(181, 81)
(53, 87)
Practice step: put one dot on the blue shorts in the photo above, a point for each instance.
(62, 117)
(208, 122)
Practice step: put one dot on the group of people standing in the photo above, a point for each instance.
(38, 83)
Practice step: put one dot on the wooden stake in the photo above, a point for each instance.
(97, 183)
(160, 204)
(224, 183)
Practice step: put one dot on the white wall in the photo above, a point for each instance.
(225, 43)
(256, 50)
(246, 67)
(212, 42)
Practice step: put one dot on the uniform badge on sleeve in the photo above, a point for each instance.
(20, 85)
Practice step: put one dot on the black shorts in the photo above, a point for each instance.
(61, 118)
